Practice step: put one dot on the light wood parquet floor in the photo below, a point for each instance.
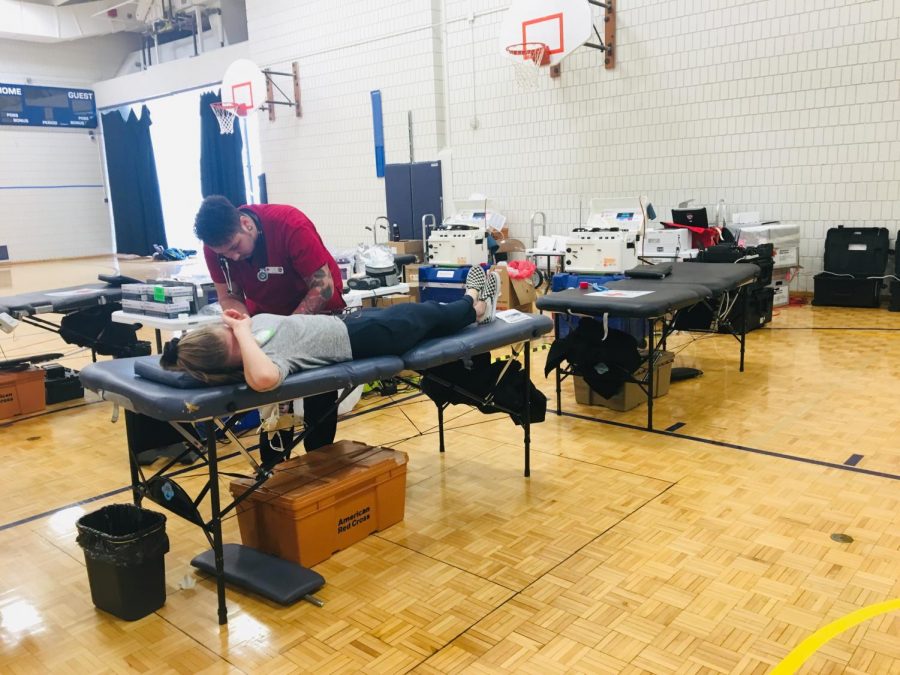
(625, 552)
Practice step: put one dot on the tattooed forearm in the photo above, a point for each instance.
(321, 290)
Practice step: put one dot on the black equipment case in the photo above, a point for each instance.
(855, 262)
(761, 256)
(61, 384)
(759, 304)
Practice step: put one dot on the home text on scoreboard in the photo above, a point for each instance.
(28, 105)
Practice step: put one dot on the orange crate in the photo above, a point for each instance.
(323, 501)
(21, 392)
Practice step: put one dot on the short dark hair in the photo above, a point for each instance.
(216, 221)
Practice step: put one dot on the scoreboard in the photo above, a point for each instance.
(27, 105)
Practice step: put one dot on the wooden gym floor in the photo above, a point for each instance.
(704, 550)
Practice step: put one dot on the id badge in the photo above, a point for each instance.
(264, 272)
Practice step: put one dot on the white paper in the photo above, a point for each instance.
(545, 243)
(620, 294)
(511, 316)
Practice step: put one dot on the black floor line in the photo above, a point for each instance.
(862, 328)
(178, 472)
(735, 446)
(46, 514)
(848, 466)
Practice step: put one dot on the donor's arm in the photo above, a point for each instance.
(259, 370)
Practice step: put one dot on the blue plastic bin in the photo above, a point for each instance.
(442, 284)
(566, 324)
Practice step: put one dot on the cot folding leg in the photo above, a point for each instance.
(489, 400)
(558, 390)
(211, 529)
(746, 291)
(558, 373)
(215, 522)
(441, 408)
(651, 361)
(134, 467)
(526, 419)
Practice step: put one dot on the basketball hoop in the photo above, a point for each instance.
(529, 57)
(225, 114)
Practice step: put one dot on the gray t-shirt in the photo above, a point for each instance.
(301, 341)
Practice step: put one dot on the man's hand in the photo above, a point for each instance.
(321, 290)
(237, 321)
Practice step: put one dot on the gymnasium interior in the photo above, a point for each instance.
(732, 506)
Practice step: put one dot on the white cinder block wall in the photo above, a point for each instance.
(786, 108)
(51, 180)
(324, 162)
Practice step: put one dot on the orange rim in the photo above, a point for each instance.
(527, 51)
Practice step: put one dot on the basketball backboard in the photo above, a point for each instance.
(244, 85)
(563, 25)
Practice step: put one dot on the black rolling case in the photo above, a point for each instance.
(852, 256)
(759, 313)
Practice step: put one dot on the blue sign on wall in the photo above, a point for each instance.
(26, 105)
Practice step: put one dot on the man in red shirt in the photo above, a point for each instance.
(269, 259)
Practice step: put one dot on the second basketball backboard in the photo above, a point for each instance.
(563, 25)
(244, 85)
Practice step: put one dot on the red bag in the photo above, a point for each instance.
(701, 237)
(520, 269)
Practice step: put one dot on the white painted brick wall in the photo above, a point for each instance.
(324, 163)
(786, 108)
(45, 221)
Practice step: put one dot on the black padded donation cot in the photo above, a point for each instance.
(86, 316)
(657, 301)
(141, 386)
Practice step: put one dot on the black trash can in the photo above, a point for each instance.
(124, 548)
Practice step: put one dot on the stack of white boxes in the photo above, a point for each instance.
(785, 237)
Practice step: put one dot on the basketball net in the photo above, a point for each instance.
(528, 59)
(225, 114)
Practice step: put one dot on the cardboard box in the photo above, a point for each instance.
(785, 238)
(391, 300)
(782, 295)
(386, 300)
(786, 256)
(781, 281)
(21, 392)
(515, 293)
(631, 395)
(411, 276)
(323, 502)
(407, 247)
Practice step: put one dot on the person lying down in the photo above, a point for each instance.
(267, 348)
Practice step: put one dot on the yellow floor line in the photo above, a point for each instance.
(811, 645)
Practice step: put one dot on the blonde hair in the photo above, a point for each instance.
(201, 354)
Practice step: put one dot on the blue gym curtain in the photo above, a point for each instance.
(221, 164)
(133, 183)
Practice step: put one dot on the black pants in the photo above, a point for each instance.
(394, 330)
(316, 409)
